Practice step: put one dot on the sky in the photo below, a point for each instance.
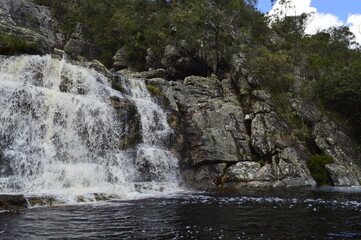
(326, 13)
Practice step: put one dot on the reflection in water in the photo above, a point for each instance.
(251, 214)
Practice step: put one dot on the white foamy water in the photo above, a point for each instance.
(59, 134)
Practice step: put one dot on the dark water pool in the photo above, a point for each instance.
(325, 213)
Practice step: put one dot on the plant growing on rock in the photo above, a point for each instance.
(316, 165)
(11, 45)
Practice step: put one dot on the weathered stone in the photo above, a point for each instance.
(99, 67)
(242, 172)
(307, 110)
(10, 202)
(179, 62)
(204, 177)
(252, 184)
(341, 176)
(259, 149)
(157, 73)
(261, 107)
(79, 46)
(228, 91)
(32, 23)
(267, 129)
(288, 168)
(128, 119)
(334, 142)
(262, 95)
(45, 200)
(120, 59)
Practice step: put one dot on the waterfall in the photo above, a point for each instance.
(59, 133)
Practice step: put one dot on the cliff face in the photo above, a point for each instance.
(230, 142)
(31, 23)
(228, 132)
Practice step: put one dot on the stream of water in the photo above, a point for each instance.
(59, 134)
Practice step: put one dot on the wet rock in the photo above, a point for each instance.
(204, 177)
(127, 116)
(9, 202)
(43, 200)
(252, 184)
(341, 176)
(99, 67)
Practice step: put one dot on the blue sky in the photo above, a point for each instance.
(326, 13)
(340, 8)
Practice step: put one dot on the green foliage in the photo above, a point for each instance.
(154, 90)
(11, 45)
(274, 70)
(215, 28)
(316, 165)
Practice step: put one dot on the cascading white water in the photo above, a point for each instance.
(58, 133)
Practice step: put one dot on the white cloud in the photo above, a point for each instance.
(318, 21)
(354, 21)
(322, 21)
(292, 8)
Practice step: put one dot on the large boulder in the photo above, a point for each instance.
(32, 24)
(334, 142)
(341, 176)
(79, 45)
(120, 59)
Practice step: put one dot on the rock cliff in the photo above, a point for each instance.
(235, 140)
(228, 131)
(31, 23)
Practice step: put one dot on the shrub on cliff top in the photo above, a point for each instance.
(316, 165)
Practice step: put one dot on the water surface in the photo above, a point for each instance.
(324, 213)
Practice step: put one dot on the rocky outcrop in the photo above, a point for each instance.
(31, 23)
(79, 46)
(180, 62)
(12, 202)
(229, 145)
(128, 118)
(120, 60)
(330, 139)
(334, 142)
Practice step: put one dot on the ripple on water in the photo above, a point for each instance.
(239, 215)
